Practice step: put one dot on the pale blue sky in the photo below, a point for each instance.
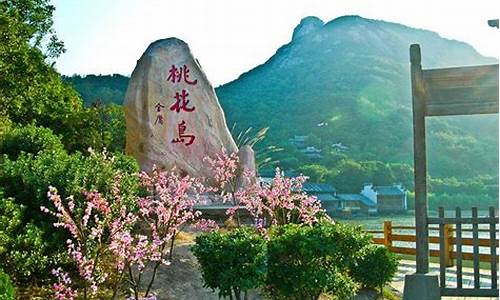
(231, 37)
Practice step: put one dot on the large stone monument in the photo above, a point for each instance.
(172, 113)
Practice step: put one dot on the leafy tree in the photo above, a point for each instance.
(316, 173)
(27, 180)
(31, 90)
(22, 247)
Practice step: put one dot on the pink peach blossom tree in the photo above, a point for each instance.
(115, 236)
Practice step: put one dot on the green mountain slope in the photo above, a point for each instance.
(351, 76)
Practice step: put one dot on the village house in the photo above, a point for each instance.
(312, 152)
(387, 198)
(371, 200)
(325, 193)
(354, 204)
(298, 141)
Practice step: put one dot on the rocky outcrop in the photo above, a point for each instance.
(172, 114)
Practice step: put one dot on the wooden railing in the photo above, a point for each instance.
(450, 233)
(391, 233)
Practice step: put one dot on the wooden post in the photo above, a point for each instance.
(420, 160)
(493, 250)
(475, 247)
(448, 244)
(458, 235)
(388, 234)
(442, 250)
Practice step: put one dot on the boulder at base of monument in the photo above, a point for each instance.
(172, 113)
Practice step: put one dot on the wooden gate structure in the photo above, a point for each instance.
(445, 92)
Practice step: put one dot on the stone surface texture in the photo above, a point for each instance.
(155, 124)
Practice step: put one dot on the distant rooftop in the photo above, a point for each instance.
(270, 173)
(356, 197)
(389, 190)
(312, 188)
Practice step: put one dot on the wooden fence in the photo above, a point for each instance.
(391, 234)
(450, 233)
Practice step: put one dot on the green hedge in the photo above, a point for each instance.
(28, 139)
(304, 261)
(7, 290)
(232, 262)
(376, 267)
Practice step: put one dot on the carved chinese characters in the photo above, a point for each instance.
(180, 104)
(172, 113)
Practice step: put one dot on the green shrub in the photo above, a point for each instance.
(305, 261)
(33, 244)
(376, 267)
(232, 262)
(29, 139)
(28, 178)
(23, 251)
(7, 290)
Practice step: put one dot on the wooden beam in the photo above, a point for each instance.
(461, 91)
(420, 160)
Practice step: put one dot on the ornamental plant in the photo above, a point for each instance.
(92, 227)
(119, 237)
(375, 267)
(232, 262)
(225, 180)
(167, 207)
(306, 261)
(281, 202)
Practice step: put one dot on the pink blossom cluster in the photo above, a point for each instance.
(205, 225)
(169, 204)
(90, 232)
(224, 167)
(280, 202)
(225, 174)
(100, 228)
(62, 288)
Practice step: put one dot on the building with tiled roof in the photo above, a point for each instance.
(387, 198)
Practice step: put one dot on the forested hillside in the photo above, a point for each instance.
(346, 83)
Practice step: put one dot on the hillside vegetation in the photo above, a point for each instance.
(347, 82)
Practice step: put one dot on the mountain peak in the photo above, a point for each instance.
(306, 26)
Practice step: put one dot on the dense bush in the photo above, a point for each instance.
(32, 237)
(28, 178)
(7, 290)
(376, 267)
(23, 252)
(29, 139)
(305, 261)
(232, 262)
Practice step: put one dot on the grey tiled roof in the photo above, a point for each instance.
(326, 197)
(356, 197)
(388, 190)
(312, 188)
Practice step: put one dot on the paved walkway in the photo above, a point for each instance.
(409, 267)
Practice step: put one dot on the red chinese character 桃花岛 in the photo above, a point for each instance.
(159, 116)
(181, 102)
(177, 74)
(181, 127)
